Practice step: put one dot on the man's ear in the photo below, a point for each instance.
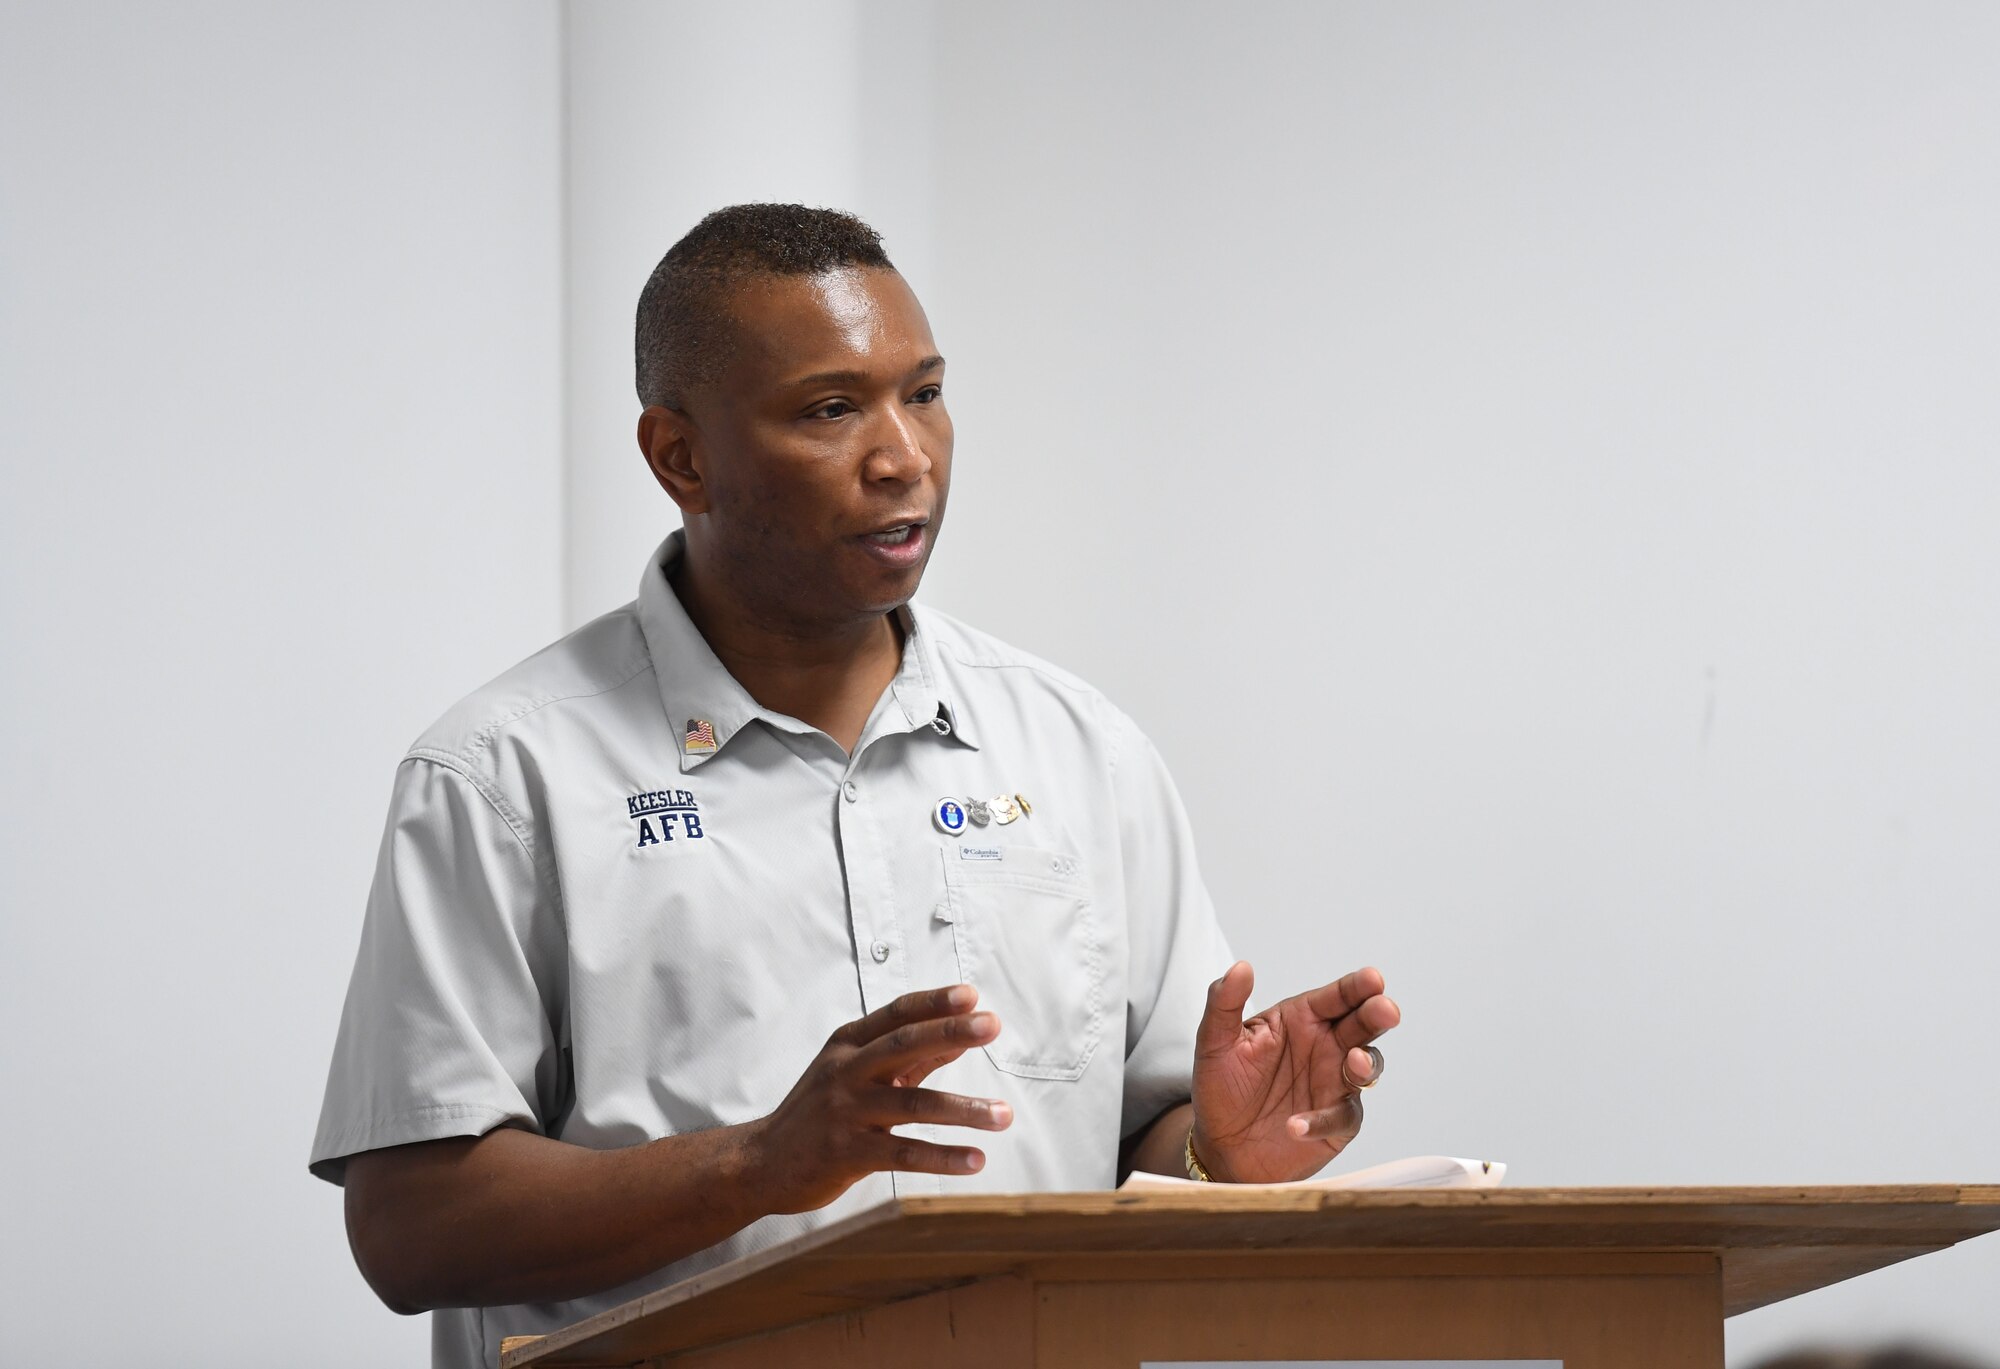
(668, 439)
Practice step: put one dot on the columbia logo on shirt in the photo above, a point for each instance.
(665, 815)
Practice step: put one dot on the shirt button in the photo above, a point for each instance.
(853, 792)
(880, 950)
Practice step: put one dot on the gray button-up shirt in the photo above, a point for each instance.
(618, 900)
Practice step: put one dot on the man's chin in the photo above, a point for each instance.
(877, 600)
(883, 584)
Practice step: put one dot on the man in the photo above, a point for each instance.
(756, 901)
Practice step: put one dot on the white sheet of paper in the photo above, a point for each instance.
(1421, 1171)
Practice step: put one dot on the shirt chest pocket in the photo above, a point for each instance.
(1027, 938)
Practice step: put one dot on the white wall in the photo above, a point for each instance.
(678, 109)
(280, 344)
(1529, 466)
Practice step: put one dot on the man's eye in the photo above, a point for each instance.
(833, 408)
(930, 394)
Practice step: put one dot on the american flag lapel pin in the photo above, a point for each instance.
(700, 737)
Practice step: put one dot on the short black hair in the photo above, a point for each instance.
(679, 340)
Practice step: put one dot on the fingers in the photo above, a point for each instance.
(923, 1157)
(1365, 1023)
(890, 1106)
(1357, 1006)
(921, 1006)
(925, 1044)
(1346, 993)
(912, 1075)
(835, 1124)
(1222, 1020)
(1336, 1125)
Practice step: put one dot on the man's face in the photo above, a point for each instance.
(823, 448)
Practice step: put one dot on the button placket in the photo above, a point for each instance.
(872, 920)
(874, 924)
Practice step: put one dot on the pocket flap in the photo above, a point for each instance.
(972, 862)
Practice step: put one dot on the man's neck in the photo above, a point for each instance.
(828, 677)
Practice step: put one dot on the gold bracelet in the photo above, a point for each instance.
(1195, 1169)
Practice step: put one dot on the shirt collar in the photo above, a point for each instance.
(696, 688)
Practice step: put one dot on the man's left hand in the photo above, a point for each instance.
(1278, 1096)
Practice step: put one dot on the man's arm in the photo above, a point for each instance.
(1159, 1147)
(513, 1217)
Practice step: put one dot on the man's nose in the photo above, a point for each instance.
(898, 454)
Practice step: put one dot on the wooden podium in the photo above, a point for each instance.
(1607, 1278)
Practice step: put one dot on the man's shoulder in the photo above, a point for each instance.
(968, 648)
(984, 665)
(575, 671)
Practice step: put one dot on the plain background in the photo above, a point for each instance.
(1531, 468)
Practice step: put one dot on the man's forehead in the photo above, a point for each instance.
(852, 307)
(788, 326)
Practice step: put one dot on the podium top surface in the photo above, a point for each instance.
(1772, 1243)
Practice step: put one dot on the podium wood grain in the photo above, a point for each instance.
(1626, 1277)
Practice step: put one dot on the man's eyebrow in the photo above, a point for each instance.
(930, 363)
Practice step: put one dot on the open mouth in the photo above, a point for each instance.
(901, 545)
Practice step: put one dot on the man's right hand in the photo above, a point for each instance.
(834, 1126)
(511, 1216)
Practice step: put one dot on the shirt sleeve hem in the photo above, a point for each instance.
(433, 1122)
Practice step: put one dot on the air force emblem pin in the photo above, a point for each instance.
(949, 815)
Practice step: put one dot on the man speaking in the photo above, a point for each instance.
(770, 894)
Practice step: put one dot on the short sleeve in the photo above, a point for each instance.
(1177, 948)
(452, 1024)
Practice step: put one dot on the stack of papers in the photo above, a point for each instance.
(1422, 1171)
